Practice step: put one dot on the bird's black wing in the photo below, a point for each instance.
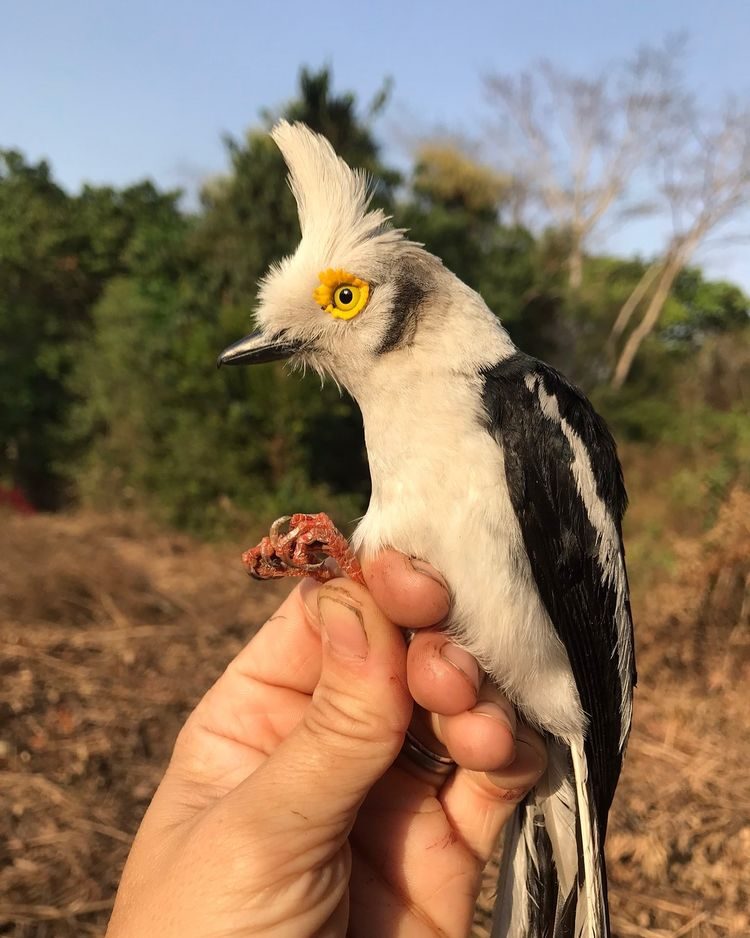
(566, 486)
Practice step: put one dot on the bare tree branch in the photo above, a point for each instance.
(579, 141)
(644, 328)
(706, 186)
(632, 303)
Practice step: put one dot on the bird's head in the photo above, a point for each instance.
(353, 289)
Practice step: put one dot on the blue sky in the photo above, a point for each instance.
(114, 91)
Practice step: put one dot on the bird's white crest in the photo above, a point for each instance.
(333, 200)
(340, 232)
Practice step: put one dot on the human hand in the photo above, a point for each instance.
(283, 811)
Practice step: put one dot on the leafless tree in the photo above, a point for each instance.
(576, 142)
(705, 162)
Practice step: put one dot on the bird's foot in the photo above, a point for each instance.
(302, 550)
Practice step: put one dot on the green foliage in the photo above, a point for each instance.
(39, 291)
(695, 408)
(699, 307)
(56, 254)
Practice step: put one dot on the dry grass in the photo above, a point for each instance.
(100, 622)
(102, 619)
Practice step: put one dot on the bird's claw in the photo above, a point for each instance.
(273, 535)
(293, 553)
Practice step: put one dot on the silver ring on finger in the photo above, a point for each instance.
(423, 757)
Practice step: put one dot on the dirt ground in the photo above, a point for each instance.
(110, 632)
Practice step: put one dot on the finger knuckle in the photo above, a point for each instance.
(344, 718)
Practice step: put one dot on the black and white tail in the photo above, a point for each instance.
(553, 881)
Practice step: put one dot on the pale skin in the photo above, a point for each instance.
(286, 809)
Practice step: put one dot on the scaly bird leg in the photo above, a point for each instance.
(302, 550)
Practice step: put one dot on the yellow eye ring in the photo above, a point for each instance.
(341, 294)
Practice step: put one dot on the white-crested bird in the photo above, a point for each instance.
(491, 466)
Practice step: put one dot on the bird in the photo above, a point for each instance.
(490, 465)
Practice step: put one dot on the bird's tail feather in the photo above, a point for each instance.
(595, 916)
(552, 879)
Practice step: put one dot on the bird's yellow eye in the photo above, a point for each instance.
(341, 294)
(346, 297)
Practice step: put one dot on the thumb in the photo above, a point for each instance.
(354, 726)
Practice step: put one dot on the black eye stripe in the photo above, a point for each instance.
(408, 297)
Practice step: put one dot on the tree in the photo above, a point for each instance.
(56, 253)
(705, 163)
(576, 142)
(446, 175)
(40, 286)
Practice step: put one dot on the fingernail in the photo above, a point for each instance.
(342, 626)
(426, 570)
(463, 661)
(528, 767)
(533, 751)
(308, 594)
(442, 601)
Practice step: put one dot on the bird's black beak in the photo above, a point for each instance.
(257, 348)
